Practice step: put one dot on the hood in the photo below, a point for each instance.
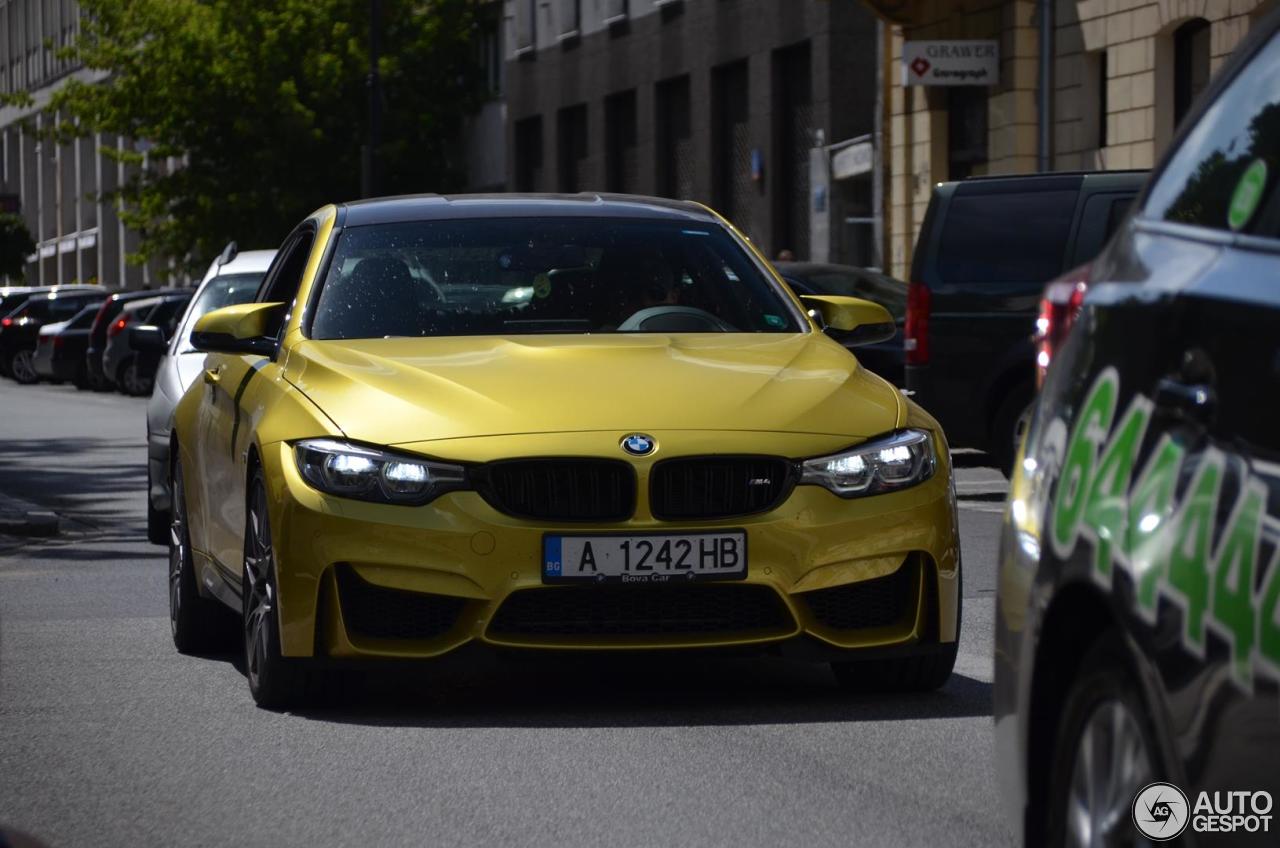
(395, 391)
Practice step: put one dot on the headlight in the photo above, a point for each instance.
(369, 474)
(881, 465)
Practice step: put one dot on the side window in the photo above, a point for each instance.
(1102, 216)
(285, 276)
(1226, 167)
(1006, 237)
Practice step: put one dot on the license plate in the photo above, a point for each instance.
(655, 558)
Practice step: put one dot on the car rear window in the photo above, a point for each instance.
(520, 276)
(1009, 237)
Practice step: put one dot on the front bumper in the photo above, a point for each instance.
(363, 580)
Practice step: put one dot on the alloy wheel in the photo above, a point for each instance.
(132, 380)
(1111, 765)
(177, 549)
(258, 592)
(23, 367)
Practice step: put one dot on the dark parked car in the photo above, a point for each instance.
(98, 334)
(884, 358)
(985, 252)
(20, 329)
(133, 372)
(60, 349)
(1137, 654)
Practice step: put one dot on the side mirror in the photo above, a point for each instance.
(860, 321)
(147, 338)
(237, 329)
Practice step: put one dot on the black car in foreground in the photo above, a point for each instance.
(1137, 653)
(986, 249)
(20, 329)
(884, 358)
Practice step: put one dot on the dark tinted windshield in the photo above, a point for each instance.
(886, 291)
(529, 275)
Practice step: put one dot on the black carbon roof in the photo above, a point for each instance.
(434, 207)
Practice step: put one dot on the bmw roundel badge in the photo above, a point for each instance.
(638, 444)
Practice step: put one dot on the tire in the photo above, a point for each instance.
(157, 525)
(1008, 425)
(199, 625)
(23, 367)
(131, 380)
(1102, 699)
(275, 681)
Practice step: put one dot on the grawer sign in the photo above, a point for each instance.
(950, 62)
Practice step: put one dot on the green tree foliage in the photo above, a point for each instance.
(264, 108)
(16, 245)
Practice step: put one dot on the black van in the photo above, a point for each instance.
(985, 252)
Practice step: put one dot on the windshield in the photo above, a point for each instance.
(530, 275)
(223, 290)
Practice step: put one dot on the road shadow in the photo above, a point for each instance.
(96, 484)
(482, 689)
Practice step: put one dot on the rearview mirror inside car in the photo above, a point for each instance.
(242, 328)
(859, 321)
(147, 338)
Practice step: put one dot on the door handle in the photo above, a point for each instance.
(213, 376)
(1196, 399)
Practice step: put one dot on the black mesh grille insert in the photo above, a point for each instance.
(718, 486)
(878, 602)
(631, 610)
(377, 612)
(561, 489)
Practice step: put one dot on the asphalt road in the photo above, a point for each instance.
(109, 737)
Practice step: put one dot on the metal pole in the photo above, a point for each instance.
(369, 180)
(1044, 140)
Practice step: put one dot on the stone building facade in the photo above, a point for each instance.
(721, 101)
(1123, 73)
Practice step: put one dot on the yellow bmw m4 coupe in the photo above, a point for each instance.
(585, 423)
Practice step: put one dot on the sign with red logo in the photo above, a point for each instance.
(950, 62)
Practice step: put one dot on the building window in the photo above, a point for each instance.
(526, 26)
(621, 160)
(674, 130)
(615, 11)
(570, 17)
(528, 141)
(491, 55)
(731, 143)
(966, 130)
(1190, 65)
(572, 145)
(793, 129)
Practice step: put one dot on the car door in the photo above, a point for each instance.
(1170, 489)
(238, 388)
